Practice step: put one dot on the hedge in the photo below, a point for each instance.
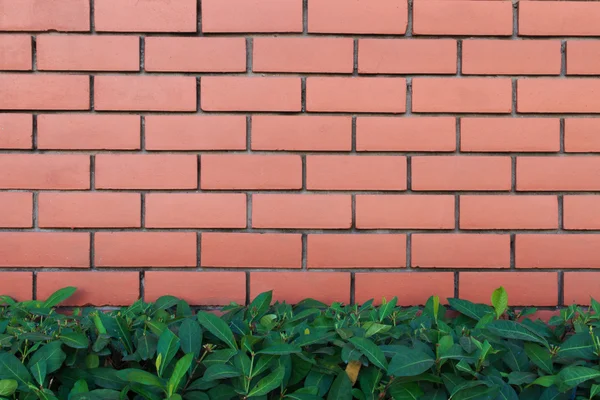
(308, 351)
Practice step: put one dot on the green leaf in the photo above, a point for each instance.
(106, 378)
(545, 381)
(181, 368)
(75, 340)
(11, 368)
(341, 389)
(410, 363)
(268, 383)
(190, 335)
(8, 387)
(59, 296)
(540, 357)
(280, 349)
(52, 354)
(580, 345)
(140, 376)
(146, 346)
(38, 370)
(405, 391)
(386, 309)
(80, 386)
(168, 344)
(471, 310)
(260, 305)
(98, 394)
(220, 371)
(500, 301)
(514, 330)
(572, 376)
(92, 361)
(521, 378)
(222, 392)
(196, 396)
(595, 388)
(217, 327)
(370, 349)
(165, 302)
(123, 334)
(476, 393)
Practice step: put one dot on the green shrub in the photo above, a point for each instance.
(302, 352)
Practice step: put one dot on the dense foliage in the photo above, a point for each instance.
(304, 352)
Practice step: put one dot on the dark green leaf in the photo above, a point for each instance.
(218, 328)
(220, 371)
(370, 349)
(52, 354)
(123, 334)
(540, 357)
(386, 309)
(410, 363)
(471, 310)
(59, 296)
(268, 383)
(38, 370)
(11, 368)
(405, 391)
(75, 340)
(140, 376)
(190, 335)
(222, 392)
(574, 375)
(181, 368)
(280, 349)
(168, 344)
(259, 306)
(341, 389)
(106, 378)
(514, 330)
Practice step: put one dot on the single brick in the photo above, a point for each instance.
(301, 133)
(510, 134)
(145, 16)
(293, 287)
(197, 288)
(478, 286)
(17, 285)
(411, 288)
(15, 52)
(404, 212)
(16, 131)
(350, 172)
(581, 212)
(559, 18)
(195, 132)
(581, 287)
(461, 250)
(358, 16)
(301, 54)
(44, 171)
(251, 16)
(405, 134)
(511, 57)
(195, 54)
(335, 94)
(89, 210)
(582, 135)
(44, 92)
(462, 95)
(39, 15)
(242, 93)
(508, 212)
(145, 249)
(407, 56)
(557, 251)
(558, 173)
(145, 93)
(583, 57)
(250, 171)
(88, 132)
(16, 210)
(356, 251)
(251, 250)
(45, 249)
(93, 288)
(452, 173)
(146, 171)
(196, 210)
(302, 211)
(558, 95)
(461, 17)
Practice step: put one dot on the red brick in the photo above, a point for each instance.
(45, 249)
(251, 250)
(582, 135)
(580, 287)
(411, 288)
(44, 171)
(581, 212)
(460, 250)
(145, 16)
(195, 54)
(93, 288)
(15, 52)
(358, 16)
(293, 287)
(335, 94)
(524, 288)
(301, 133)
(510, 134)
(145, 249)
(583, 57)
(251, 16)
(558, 173)
(196, 210)
(308, 211)
(197, 288)
(450, 17)
(241, 93)
(16, 131)
(146, 171)
(195, 132)
(559, 18)
(349, 172)
(508, 212)
(145, 93)
(462, 95)
(88, 132)
(407, 56)
(557, 251)
(511, 57)
(42, 15)
(461, 173)
(44, 92)
(405, 134)
(16, 210)
(17, 285)
(558, 96)
(404, 212)
(250, 171)
(356, 251)
(89, 210)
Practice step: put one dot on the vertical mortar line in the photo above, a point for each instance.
(513, 174)
(409, 23)
(34, 53)
(512, 251)
(515, 19)
(457, 212)
(355, 62)
(408, 173)
(143, 210)
(91, 93)
(92, 172)
(92, 251)
(34, 222)
(561, 223)
(352, 288)
(199, 17)
(459, 57)
(142, 285)
(563, 57)
(249, 211)
(248, 133)
(353, 144)
(561, 289)
(92, 25)
(408, 96)
(304, 237)
(303, 158)
(34, 285)
(562, 136)
(143, 133)
(198, 96)
(198, 251)
(514, 97)
(34, 132)
(458, 134)
(249, 54)
(456, 284)
(198, 171)
(142, 53)
(303, 94)
(353, 211)
(408, 251)
(248, 276)
(305, 16)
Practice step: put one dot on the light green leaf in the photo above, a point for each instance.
(80, 386)
(500, 301)
(410, 363)
(545, 381)
(58, 297)
(370, 349)
(595, 390)
(168, 344)
(574, 375)
(8, 387)
(268, 383)
(386, 309)
(217, 327)
(75, 340)
(220, 371)
(181, 368)
(38, 370)
(514, 330)
(92, 361)
(190, 335)
(280, 349)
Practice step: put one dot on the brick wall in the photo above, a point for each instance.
(340, 149)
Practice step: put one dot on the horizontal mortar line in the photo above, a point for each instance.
(313, 192)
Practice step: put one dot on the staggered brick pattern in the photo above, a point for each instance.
(337, 149)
